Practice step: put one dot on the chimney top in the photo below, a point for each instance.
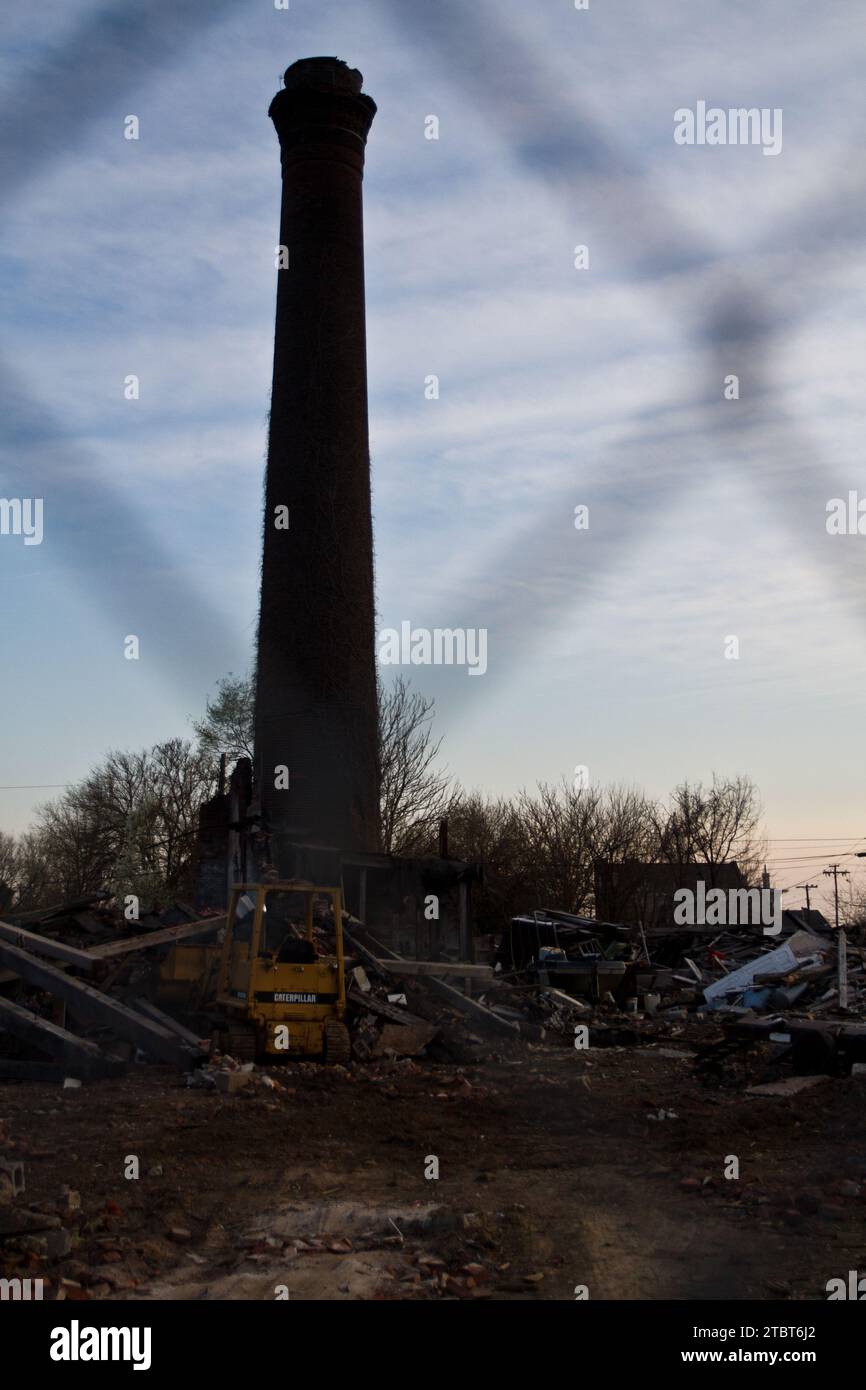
(323, 75)
(322, 104)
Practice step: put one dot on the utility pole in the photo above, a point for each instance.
(808, 887)
(834, 872)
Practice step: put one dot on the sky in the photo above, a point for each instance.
(559, 387)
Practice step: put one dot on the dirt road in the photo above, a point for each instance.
(602, 1172)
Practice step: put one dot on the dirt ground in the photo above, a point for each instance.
(557, 1172)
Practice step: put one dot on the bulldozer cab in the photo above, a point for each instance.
(281, 994)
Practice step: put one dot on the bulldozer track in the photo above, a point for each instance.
(338, 1044)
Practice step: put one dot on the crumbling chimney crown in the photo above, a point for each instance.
(323, 75)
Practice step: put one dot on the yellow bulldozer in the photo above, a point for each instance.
(280, 997)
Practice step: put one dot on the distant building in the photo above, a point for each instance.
(633, 891)
(803, 919)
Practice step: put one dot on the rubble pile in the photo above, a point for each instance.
(84, 958)
(554, 977)
(797, 999)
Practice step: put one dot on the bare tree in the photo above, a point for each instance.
(129, 825)
(34, 881)
(415, 794)
(9, 864)
(560, 824)
(852, 905)
(712, 825)
(625, 841)
(228, 723)
(624, 827)
(490, 831)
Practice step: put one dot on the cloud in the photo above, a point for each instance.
(557, 386)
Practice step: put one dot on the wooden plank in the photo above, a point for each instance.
(357, 948)
(42, 1033)
(460, 969)
(44, 946)
(205, 926)
(68, 909)
(479, 1013)
(151, 1011)
(579, 1004)
(95, 1007)
(395, 1013)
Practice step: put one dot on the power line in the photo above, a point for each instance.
(806, 858)
(788, 886)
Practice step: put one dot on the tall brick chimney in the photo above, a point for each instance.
(316, 679)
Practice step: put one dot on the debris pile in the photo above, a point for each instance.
(72, 984)
(554, 975)
(800, 993)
